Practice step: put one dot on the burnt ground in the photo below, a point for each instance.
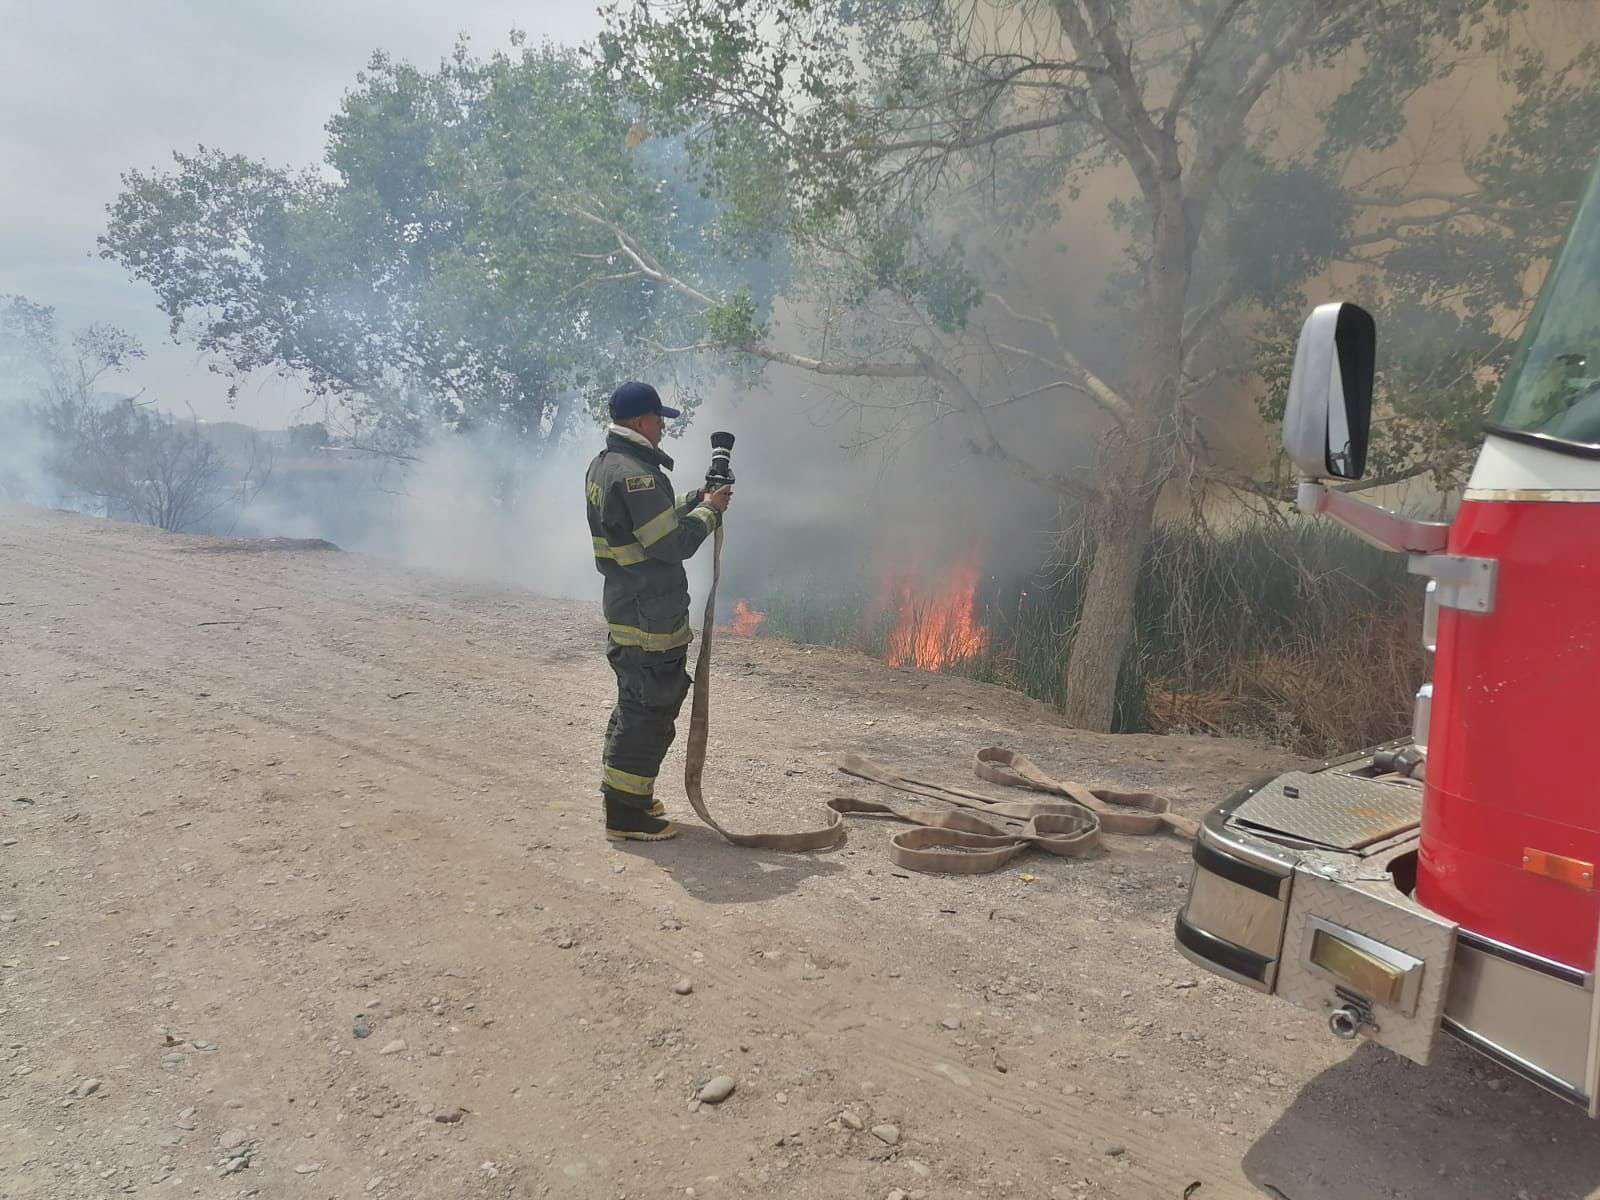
(253, 804)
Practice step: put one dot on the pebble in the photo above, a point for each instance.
(850, 1121)
(1116, 1150)
(87, 1088)
(889, 1135)
(449, 1116)
(566, 943)
(918, 1168)
(308, 1168)
(951, 1023)
(683, 987)
(394, 1047)
(233, 1104)
(171, 1062)
(372, 1184)
(232, 1139)
(897, 1194)
(717, 1090)
(185, 1114)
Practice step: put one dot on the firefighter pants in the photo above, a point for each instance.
(651, 686)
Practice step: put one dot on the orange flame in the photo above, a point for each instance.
(934, 630)
(745, 620)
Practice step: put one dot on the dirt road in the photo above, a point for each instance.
(300, 859)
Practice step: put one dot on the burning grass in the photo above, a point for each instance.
(744, 620)
(935, 622)
(1299, 634)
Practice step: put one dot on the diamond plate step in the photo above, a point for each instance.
(1339, 812)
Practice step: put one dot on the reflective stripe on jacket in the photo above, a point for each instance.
(642, 534)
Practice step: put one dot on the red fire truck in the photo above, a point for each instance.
(1446, 883)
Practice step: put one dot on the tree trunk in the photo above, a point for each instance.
(1124, 517)
(1105, 624)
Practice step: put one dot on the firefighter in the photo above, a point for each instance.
(642, 535)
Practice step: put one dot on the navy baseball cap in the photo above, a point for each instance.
(635, 400)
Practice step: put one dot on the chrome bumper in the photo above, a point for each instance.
(1336, 931)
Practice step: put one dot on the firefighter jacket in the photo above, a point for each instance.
(642, 534)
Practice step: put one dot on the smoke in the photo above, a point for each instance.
(474, 506)
(825, 505)
(814, 511)
(23, 476)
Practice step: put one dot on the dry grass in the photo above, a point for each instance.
(1347, 686)
(1292, 632)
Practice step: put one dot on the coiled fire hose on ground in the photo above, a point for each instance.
(956, 842)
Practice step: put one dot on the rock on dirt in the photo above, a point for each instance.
(394, 1047)
(889, 1135)
(683, 987)
(717, 1090)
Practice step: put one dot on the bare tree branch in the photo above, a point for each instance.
(991, 446)
(1111, 101)
(1102, 393)
(1196, 63)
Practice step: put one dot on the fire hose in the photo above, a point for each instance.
(956, 842)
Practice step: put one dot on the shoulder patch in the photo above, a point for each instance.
(641, 483)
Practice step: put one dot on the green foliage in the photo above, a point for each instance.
(438, 276)
(733, 323)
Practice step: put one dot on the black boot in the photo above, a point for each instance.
(624, 822)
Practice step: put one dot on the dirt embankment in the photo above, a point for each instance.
(302, 893)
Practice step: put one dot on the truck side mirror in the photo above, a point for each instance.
(1329, 412)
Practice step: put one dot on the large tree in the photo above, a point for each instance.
(434, 273)
(918, 156)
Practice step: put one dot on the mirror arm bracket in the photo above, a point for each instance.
(1384, 529)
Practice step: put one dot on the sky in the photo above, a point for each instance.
(92, 88)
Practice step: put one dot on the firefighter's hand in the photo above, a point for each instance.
(719, 499)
